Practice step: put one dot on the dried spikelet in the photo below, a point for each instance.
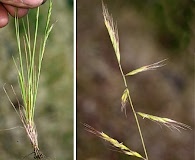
(119, 146)
(112, 30)
(147, 68)
(124, 99)
(171, 124)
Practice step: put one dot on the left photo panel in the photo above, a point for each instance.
(36, 80)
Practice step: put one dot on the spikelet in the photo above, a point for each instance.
(112, 30)
(119, 146)
(147, 68)
(124, 100)
(171, 124)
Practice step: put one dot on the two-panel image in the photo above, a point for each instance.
(97, 80)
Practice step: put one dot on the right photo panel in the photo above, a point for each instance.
(135, 80)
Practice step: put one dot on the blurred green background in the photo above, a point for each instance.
(149, 31)
(54, 109)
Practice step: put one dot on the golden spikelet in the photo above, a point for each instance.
(147, 68)
(171, 124)
(119, 146)
(112, 30)
(124, 100)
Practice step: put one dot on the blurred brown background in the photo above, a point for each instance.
(54, 109)
(149, 31)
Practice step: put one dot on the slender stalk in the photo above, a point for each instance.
(123, 75)
(134, 112)
(138, 126)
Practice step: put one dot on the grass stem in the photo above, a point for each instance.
(134, 112)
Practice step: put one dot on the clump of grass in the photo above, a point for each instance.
(28, 65)
(113, 33)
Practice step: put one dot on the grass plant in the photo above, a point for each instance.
(114, 37)
(28, 65)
